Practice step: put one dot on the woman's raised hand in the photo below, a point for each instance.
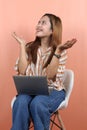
(67, 45)
(18, 39)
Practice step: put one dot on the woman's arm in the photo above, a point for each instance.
(22, 62)
(53, 66)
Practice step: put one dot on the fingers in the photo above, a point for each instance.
(18, 39)
(71, 42)
(74, 41)
(68, 44)
(14, 35)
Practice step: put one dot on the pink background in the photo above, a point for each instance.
(22, 16)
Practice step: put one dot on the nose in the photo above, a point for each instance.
(38, 26)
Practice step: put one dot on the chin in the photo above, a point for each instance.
(40, 36)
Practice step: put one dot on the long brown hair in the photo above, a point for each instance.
(55, 39)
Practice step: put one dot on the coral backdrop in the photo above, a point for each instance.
(22, 16)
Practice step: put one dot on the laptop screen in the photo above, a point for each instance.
(32, 85)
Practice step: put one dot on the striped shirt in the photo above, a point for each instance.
(38, 70)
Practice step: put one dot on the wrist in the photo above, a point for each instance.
(57, 51)
(22, 46)
(57, 55)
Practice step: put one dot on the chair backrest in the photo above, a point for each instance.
(68, 82)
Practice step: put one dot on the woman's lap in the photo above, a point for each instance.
(53, 99)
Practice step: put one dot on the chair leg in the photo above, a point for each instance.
(61, 124)
(60, 121)
(53, 122)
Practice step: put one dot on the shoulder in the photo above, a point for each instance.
(29, 44)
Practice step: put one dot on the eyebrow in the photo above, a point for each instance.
(41, 21)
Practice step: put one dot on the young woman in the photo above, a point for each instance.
(43, 56)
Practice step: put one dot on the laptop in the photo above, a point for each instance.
(32, 85)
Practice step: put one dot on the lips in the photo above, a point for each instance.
(39, 30)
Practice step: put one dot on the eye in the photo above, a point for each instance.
(43, 22)
(39, 22)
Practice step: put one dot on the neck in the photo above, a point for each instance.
(45, 42)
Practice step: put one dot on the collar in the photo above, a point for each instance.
(47, 52)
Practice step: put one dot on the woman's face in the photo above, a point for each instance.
(43, 28)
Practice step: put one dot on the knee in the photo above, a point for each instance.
(39, 108)
(35, 103)
(21, 101)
